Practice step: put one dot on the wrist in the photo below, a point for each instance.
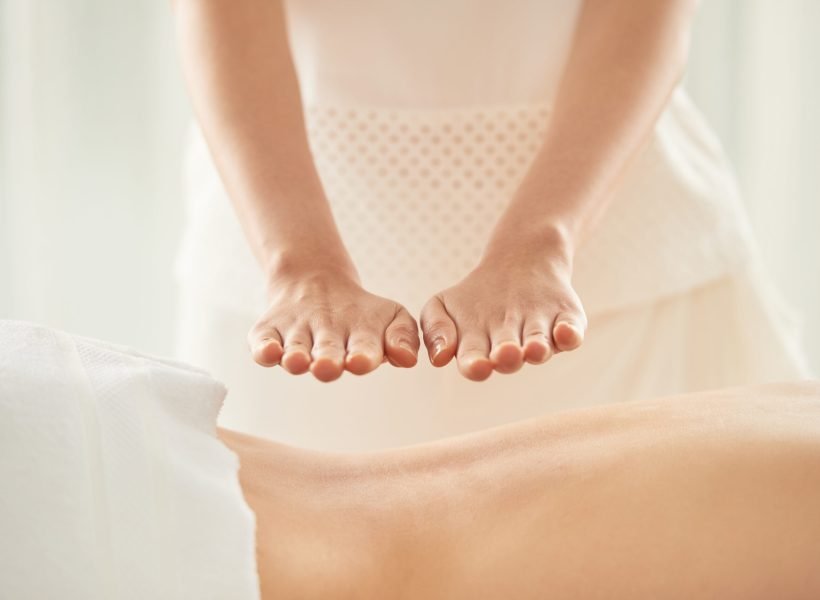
(549, 244)
(305, 263)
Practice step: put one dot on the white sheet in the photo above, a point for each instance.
(114, 484)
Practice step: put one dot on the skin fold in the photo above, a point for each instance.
(709, 495)
(517, 305)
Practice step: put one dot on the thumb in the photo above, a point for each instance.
(439, 331)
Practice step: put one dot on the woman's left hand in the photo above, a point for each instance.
(516, 306)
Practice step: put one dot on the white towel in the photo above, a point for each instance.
(114, 484)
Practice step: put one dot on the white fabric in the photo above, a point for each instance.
(430, 53)
(93, 112)
(420, 148)
(114, 484)
(415, 194)
(420, 139)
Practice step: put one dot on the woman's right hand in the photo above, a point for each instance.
(247, 99)
(323, 321)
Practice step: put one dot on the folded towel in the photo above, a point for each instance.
(114, 484)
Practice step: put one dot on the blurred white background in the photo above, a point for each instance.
(93, 118)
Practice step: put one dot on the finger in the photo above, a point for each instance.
(298, 343)
(365, 351)
(401, 339)
(327, 354)
(536, 340)
(440, 333)
(507, 355)
(568, 330)
(265, 344)
(473, 355)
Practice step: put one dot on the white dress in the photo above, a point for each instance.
(422, 118)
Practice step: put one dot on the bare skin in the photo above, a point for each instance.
(243, 84)
(518, 304)
(710, 495)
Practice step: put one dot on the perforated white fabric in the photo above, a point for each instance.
(415, 194)
(424, 116)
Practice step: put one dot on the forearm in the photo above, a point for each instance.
(245, 93)
(623, 65)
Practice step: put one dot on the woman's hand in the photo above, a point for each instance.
(323, 321)
(621, 69)
(516, 306)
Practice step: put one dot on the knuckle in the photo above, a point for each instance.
(364, 343)
(503, 318)
(328, 344)
(433, 308)
(571, 305)
(400, 311)
(259, 329)
(470, 348)
(403, 330)
(536, 327)
(297, 334)
(296, 343)
(269, 325)
(511, 318)
(400, 341)
(435, 325)
(257, 335)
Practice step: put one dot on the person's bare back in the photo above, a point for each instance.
(704, 495)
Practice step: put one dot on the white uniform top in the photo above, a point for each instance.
(424, 116)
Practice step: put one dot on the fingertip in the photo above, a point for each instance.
(401, 340)
(402, 353)
(360, 364)
(507, 357)
(537, 352)
(441, 352)
(326, 369)
(268, 352)
(567, 335)
(476, 369)
(408, 360)
(295, 362)
(440, 332)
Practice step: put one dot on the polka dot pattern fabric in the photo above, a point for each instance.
(415, 193)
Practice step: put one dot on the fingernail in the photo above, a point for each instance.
(405, 344)
(438, 346)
